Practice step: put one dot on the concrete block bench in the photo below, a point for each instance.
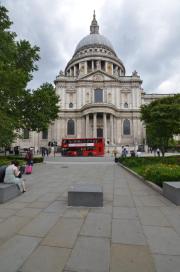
(171, 190)
(8, 191)
(85, 195)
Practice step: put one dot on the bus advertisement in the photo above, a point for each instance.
(82, 147)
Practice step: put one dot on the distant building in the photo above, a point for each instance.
(98, 99)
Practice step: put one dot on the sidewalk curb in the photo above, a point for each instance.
(147, 182)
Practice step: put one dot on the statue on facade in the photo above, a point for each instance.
(98, 65)
(81, 70)
(135, 74)
(61, 73)
(116, 72)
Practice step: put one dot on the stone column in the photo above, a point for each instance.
(106, 69)
(92, 65)
(75, 71)
(112, 129)
(95, 125)
(105, 127)
(115, 130)
(87, 125)
(119, 130)
(85, 67)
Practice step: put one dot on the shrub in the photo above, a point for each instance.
(5, 160)
(38, 159)
(161, 173)
(155, 169)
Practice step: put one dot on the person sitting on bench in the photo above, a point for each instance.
(13, 175)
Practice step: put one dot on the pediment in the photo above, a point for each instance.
(98, 76)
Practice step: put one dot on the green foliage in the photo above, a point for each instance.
(162, 172)
(162, 120)
(5, 160)
(38, 159)
(19, 107)
(40, 107)
(155, 169)
(134, 161)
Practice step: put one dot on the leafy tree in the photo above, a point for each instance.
(19, 107)
(40, 108)
(162, 120)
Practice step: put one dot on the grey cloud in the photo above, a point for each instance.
(140, 46)
(144, 34)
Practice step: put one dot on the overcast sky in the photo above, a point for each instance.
(144, 34)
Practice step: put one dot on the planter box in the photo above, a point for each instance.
(85, 195)
(171, 190)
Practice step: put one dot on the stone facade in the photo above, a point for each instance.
(97, 98)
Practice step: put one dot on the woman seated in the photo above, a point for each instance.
(13, 175)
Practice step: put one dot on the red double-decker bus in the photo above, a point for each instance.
(82, 147)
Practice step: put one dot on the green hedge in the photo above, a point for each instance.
(162, 172)
(155, 169)
(134, 161)
(5, 160)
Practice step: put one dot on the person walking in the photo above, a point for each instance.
(29, 157)
(158, 152)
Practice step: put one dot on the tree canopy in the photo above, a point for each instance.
(162, 120)
(19, 106)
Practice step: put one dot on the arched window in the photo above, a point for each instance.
(125, 105)
(126, 127)
(71, 105)
(70, 127)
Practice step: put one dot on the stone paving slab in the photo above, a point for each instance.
(150, 201)
(76, 212)
(64, 233)
(124, 213)
(162, 240)
(131, 258)
(39, 204)
(11, 226)
(152, 216)
(15, 205)
(5, 213)
(127, 231)
(40, 225)
(15, 251)
(107, 208)
(29, 212)
(123, 201)
(46, 259)
(57, 207)
(97, 225)
(167, 263)
(90, 254)
(136, 223)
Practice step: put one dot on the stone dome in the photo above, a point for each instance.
(94, 52)
(92, 40)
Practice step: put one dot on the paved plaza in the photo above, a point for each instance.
(136, 230)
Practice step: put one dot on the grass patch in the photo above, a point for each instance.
(155, 169)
